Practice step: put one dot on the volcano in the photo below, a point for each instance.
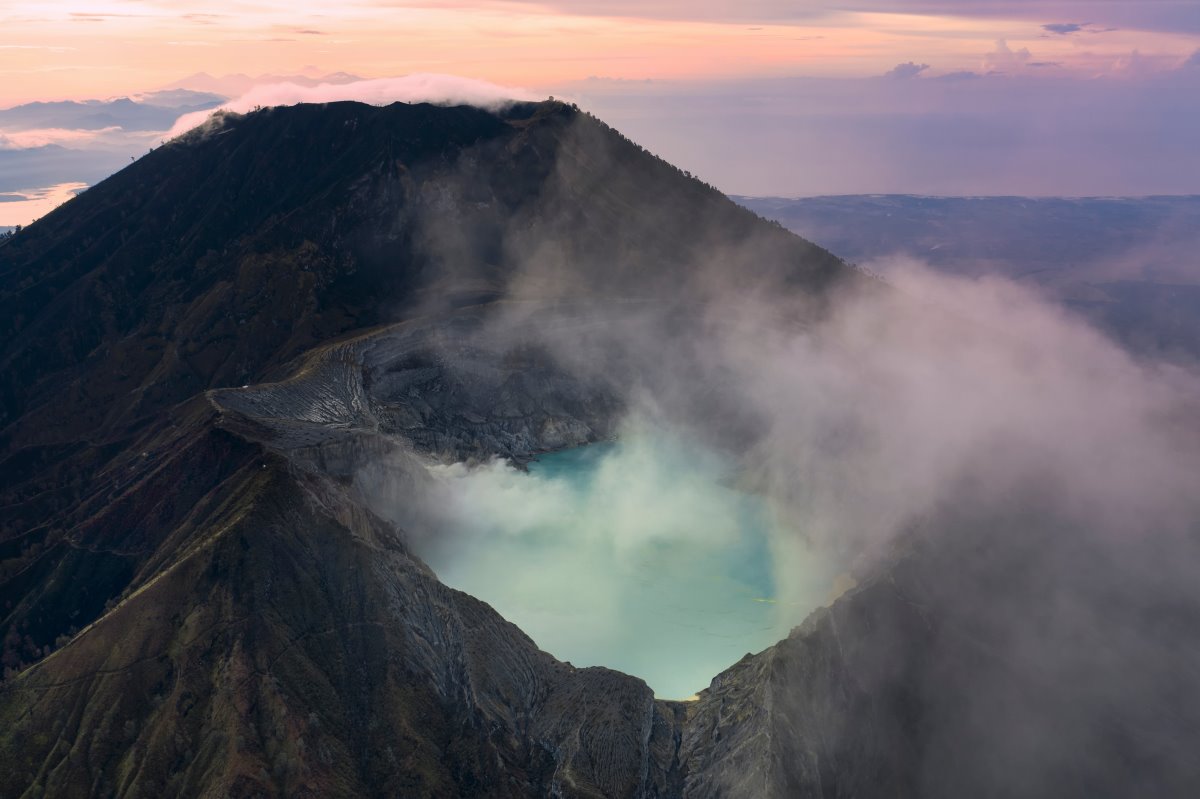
(222, 369)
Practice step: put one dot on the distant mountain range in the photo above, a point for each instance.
(156, 111)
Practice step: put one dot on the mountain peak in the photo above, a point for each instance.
(202, 354)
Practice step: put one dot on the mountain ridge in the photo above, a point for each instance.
(215, 358)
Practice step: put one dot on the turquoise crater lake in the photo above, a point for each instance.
(635, 555)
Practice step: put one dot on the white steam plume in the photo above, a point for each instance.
(1055, 471)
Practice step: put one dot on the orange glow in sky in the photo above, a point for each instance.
(60, 49)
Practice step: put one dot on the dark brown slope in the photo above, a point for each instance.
(292, 647)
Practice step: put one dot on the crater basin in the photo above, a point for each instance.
(638, 555)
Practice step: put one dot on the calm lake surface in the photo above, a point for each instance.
(633, 555)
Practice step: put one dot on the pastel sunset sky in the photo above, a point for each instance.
(758, 97)
(58, 49)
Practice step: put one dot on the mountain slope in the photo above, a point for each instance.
(201, 596)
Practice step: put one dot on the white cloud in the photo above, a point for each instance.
(40, 137)
(416, 88)
(1005, 59)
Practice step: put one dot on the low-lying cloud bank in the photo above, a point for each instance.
(103, 138)
(417, 88)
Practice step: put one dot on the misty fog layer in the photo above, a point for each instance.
(636, 555)
(1023, 483)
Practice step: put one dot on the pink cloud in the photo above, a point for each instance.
(1005, 59)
